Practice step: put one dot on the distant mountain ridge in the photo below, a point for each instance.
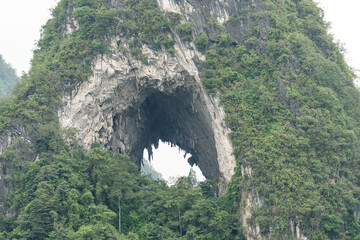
(8, 77)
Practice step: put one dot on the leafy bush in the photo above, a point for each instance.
(143, 19)
(85, 15)
(136, 52)
(202, 41)
(185, 30)
(166, 41)
(174, 17)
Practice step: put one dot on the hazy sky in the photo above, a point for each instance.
(21, 21)
(344, 18)
(170, 162)
(20, 24)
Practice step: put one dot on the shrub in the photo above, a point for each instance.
(166, 41)
(185, 30)
(202, 41)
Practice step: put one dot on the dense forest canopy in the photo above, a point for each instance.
(8, 77)
(82, 196)
(289, 99)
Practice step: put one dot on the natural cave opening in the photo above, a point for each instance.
(178, 117)
(169, 162)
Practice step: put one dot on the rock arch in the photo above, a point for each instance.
(126, 106)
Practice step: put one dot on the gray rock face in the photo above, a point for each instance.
(127, 106)
(227, 12)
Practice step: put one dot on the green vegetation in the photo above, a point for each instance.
(100, 195)
(294, 113)
(289, 99)
(143, 19)
(185, 30)
(165, 41)
(64, 59)
(174, 17)
(68, 194)
(8, 77)
(202, 41)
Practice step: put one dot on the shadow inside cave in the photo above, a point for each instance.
(179, 118)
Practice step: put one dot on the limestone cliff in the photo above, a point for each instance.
(127, 105)
(267, 107)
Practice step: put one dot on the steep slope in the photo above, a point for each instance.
(263, 74)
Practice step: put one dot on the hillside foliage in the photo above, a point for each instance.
(289, 99)
(294, 113)
(64, 195)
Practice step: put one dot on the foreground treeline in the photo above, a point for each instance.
(100, 195)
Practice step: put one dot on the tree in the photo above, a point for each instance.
(37, 220)
(113, 176)
(204, 221)
(202, 41)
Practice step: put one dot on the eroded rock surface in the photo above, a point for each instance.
(127, 105)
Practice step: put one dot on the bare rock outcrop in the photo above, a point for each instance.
(127, 106)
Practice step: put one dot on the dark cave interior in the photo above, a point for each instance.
(179, 118)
